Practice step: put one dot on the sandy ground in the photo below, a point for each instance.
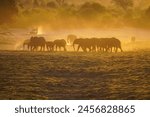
(71, 75)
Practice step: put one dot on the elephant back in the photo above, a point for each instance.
(37, 41)
(60, 42)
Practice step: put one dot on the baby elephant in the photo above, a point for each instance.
(50, 45)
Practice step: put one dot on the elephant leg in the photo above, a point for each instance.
(41, 48)
(65, 49)
(100, 49)
(47, 48)
(36, 48)
(52, 48)
(78, 48)
(32, 48)
(23, 47)
(90, 49)
(28, 47)
(94, 48)
(84, 49)
(111, 49)
(56, 48)
(107, 49)
(116, 50)
(120, 49)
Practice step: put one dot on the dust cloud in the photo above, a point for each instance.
(105, 18)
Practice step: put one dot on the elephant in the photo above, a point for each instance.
(36, 42)
(71, 38)
(60, 43)
(85, 44)
(50, 45)
(26, 43)
(98, 44)
(102, 44)
(107, 44)
(114, 43)
(94, 44)
(79, 42)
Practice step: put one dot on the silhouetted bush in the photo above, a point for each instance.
(147, 12)
(89, 10)
(51, 4)
(124, 4)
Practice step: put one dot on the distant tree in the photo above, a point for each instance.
(51, 4)
(91, 9)
(43, 3)
(95, 6)
(8, 8)
(60, 2)
(24, 4)
(36, 3)
(124, 4)
(147, 12)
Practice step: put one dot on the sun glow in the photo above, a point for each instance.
(40, 30)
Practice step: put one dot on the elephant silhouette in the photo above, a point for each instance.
(50, 45)
(102, 44)
(26, 44)
(97, 44)
(86, 44)
(60, 43)
(80, 42)
(107, 44)
(36, 42)
(114, 43)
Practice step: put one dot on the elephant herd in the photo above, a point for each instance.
(85, 44)
(98, 44)
(40, 43)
